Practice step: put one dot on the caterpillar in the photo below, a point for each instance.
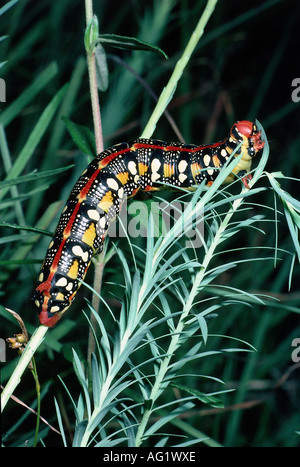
(119, 172)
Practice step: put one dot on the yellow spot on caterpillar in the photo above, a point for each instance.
(216, 161)
(89, 235)
(106, 202)
(60, 296)
(123, 177)
(195, 169)
(142, 169)
(73, 271)
(168, 170)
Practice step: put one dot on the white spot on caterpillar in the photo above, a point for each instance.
(93, 214)
(111, 182)
(155, 176)
(132, 167)
(121, 192)
(182, 166)
(182, 177)
(69, 287)
(102, 222)
(78, 251)
(155, 165)
(206, 160)
(62, 282)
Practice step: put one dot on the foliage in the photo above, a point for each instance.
(192, 345)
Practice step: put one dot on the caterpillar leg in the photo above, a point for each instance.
(245, 178)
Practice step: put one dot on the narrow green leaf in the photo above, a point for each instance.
(60, 423)
(79, 432)
(7, 6)
(212, 401)
(129, 43)
(82, 137)
(33, 176)
(95, 380)
(165, 419)
(91, 34)
(101, 68)
(25, 227)
(81, 378)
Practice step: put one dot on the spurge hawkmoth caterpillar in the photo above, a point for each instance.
(119, 172)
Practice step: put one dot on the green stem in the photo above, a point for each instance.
(165, 97)
(169, 90)
(91, 62)
(98, 276)
(38, 395)
(35, 341)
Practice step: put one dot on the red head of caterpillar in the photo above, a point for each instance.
(247, 132)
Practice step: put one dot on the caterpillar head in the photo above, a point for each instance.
(50, 310)
(246, 132)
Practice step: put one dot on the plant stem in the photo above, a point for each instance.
(38, 396)
(162, 103)
(91, 62)
(169, 90)
(98, 275)
(24, 361)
